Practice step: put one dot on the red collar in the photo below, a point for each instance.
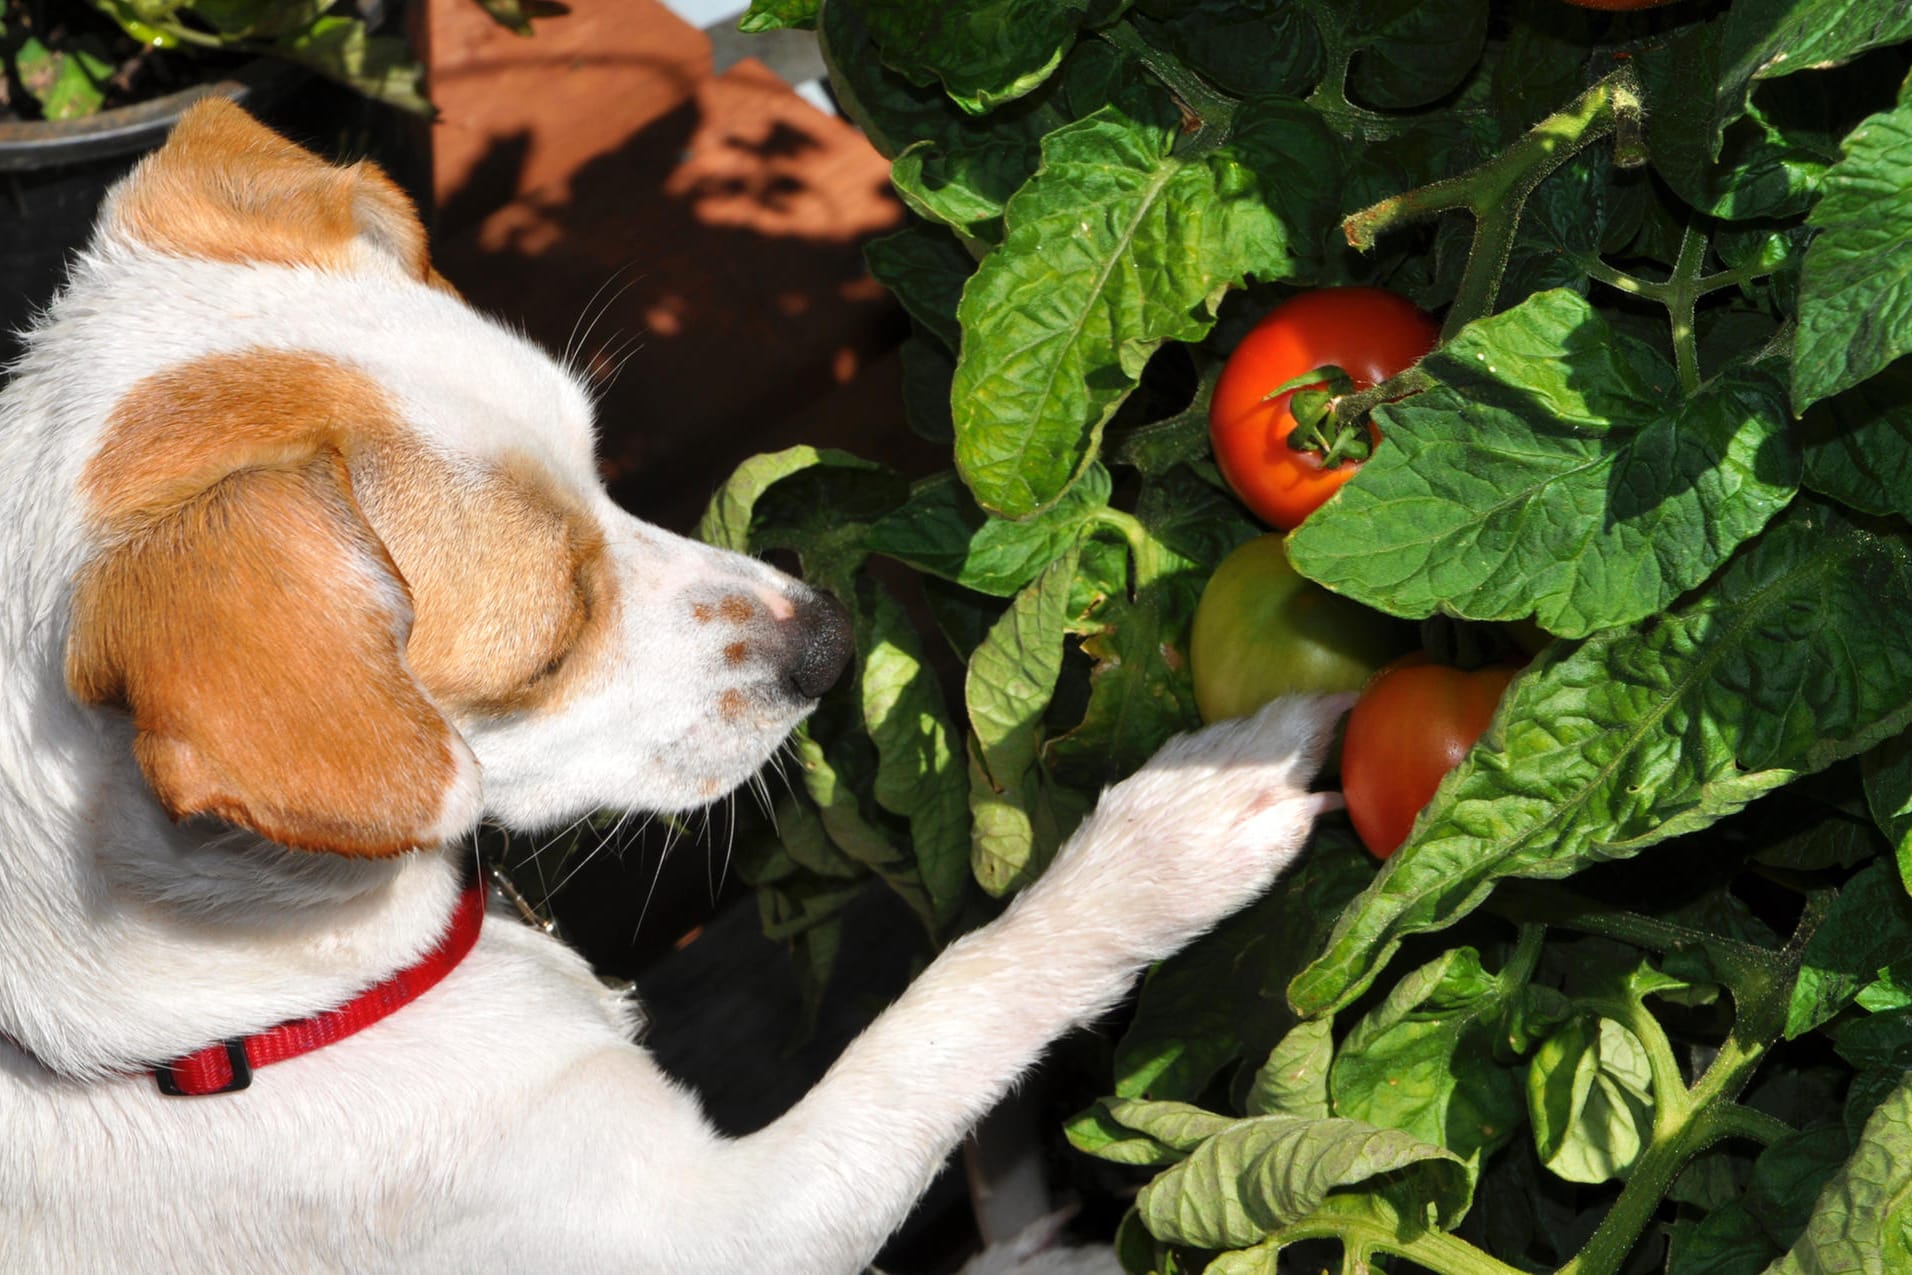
(228, 1065)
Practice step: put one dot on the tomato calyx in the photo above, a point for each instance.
(1312, 399)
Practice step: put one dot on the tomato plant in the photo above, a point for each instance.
(1366, 333)
(1261, 630)
(1634, 992)
(1413, 723)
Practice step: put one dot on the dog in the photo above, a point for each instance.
(307, 570)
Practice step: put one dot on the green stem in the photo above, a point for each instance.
(1683, 294)
(1211, 110)
(1351, 409)
(1495, 191)
(1146, 551)
(1712, 1111)
(1672, 1102)
(1435, 1250)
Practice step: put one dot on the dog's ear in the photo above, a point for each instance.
(226, 188)
(254, 626)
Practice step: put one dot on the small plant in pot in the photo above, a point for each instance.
(88, 86)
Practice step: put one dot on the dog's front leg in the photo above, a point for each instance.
(1197, 833)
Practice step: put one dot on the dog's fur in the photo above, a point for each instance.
(307, 569)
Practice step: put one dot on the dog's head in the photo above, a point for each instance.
(327, 550)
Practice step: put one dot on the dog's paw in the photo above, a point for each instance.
(1206, 825)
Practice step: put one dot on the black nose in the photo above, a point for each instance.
(822, 644)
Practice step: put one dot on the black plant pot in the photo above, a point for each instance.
(53, 174)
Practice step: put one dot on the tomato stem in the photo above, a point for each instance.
(1495, 192)
(1684, 288)
(1210, 111)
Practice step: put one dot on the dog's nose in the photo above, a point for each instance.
(823, 644)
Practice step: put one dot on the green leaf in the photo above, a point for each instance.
(920, 774)
(1011, 678)
(1294, 1080)
(1858, 444)
(1249, 48)
(1411, 51)
(1140, 691)
(817, 502)
(1768, 164)
(1862, 1221)
(985, 52)
(928, 370)
(379, 66)
(1727, 1241)
(1266, 1171)
(925, 268)
(1855, 293)
(1794, 657)
(69, 82)
(1766, 39)
(941, 531)
(1115, 246)
(1099, 1133)
(852, 829)
(1423, 1061)
(780, 15)
(1865, 939)
(1590, 1097)
(1179, 1126)
(1553, 470)
(1888, 780)
(514, 15)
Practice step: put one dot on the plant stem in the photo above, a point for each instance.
(1712, 1110)
(1143, 548)
(1351, 409)
(1683, 294)
(1495, 191)
(1211, 110)
(1436, 1250)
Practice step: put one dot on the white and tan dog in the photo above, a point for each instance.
(304, 569)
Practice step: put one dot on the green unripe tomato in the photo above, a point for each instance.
(1262, 630)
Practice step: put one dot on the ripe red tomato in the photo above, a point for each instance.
(1413, 724)
(1263, 630)
(1368, 333)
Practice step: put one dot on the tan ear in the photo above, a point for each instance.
(226, 188)
(255, 632)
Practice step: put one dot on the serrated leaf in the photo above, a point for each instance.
(924, 268)
(1590, 1097)
(1266, 1171)
(1411, 51)
(1862, 1221)
(1865, 938)
(1855, 291)
(68, 82)
(1117, 245)
(1766, 39)
(1794, 657)
(1553, 470)
(941, 531)
(1858, 444)
(1180, 1126)
(1422, 1061)
(1294, 1080)
(984, 52)
(1248, 48)
(920, 772)
(1011, 678)
(816, 502)
(1098, 1133)
(1140, 690)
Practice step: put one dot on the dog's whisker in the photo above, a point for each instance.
(574, 343)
